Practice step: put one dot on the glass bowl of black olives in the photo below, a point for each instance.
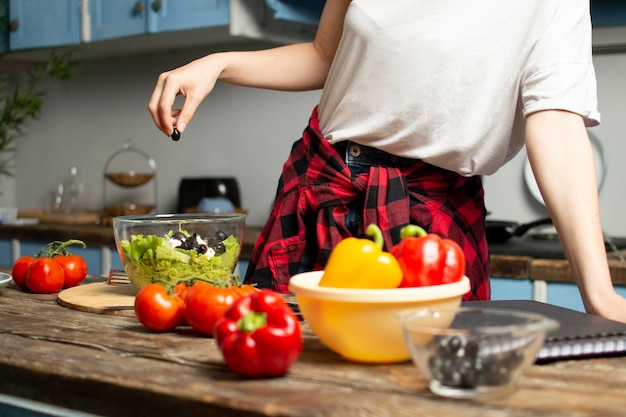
(469, 352)
(173, 248)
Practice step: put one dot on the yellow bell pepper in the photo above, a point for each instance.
(361, 263)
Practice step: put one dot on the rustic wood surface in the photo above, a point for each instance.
(110, 365)
(510, 266)
(554, 270)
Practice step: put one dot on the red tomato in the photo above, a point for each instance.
(205, 304)
(45, 276)
(157, 310)
(75, 269)
(20, 269)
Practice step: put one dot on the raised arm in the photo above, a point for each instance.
(562, 159)
(297, 67)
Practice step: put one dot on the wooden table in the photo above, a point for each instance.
(110, 365)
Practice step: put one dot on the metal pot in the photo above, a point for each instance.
(499, 231)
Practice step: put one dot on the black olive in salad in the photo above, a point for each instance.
(199, 243)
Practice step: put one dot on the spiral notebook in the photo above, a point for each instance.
(580, 335)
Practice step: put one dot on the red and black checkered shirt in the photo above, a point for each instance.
(314, 192)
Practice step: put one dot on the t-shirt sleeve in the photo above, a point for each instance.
(560, 73)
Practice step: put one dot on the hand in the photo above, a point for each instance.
(611, 306)
(193, 81)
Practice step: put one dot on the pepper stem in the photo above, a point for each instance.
(252, 321)
(412, 230)
(376, 234)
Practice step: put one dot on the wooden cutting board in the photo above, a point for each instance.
(100, 298)
(59, 218)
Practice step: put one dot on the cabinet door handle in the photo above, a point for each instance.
(157, 5)
(14, 25)
(138, 8)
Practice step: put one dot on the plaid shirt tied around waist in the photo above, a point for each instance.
(317, 188)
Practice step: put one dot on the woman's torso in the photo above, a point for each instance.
(449, 81)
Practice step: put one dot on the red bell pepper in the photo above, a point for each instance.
(427, 259)
(259, 335)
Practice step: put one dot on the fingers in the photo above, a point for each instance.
(194, 82)
(162, 100)
(154, 105)
(184, 115)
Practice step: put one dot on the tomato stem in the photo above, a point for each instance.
(59, 248)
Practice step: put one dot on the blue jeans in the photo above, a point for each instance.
(359, 159)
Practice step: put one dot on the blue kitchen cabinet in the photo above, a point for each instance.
(5, 253)
(508, 288)
(4, 30)
(561, 294)
(112, 19)
(165, 16)
(608, 13)
(298, 11)
(44, 23)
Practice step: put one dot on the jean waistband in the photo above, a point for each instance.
(355, 153)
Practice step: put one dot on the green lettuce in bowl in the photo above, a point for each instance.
(202, 247)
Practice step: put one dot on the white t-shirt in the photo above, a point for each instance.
(450, 81)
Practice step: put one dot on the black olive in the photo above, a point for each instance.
(175, 135)
(458, 362)
(221, 236)
(218, 247)
(179, 236)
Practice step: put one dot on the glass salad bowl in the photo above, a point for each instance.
(170, 248)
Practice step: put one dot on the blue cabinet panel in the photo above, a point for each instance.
(511, 289)
(44, 23)
(116, 18)
(4, 33)
(192, 14)
(6, 254)
(608, 12)
(116, 262)
(298, 11)
(565, 295)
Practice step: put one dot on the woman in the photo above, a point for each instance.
(419, 100)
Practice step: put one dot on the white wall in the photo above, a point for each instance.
(239, 132)
(245, 133)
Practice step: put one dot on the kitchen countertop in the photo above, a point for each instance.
(505, 263)
(110, 365)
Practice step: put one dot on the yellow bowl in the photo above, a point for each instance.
(361, 324)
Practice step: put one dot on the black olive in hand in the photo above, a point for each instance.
(175, 135)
